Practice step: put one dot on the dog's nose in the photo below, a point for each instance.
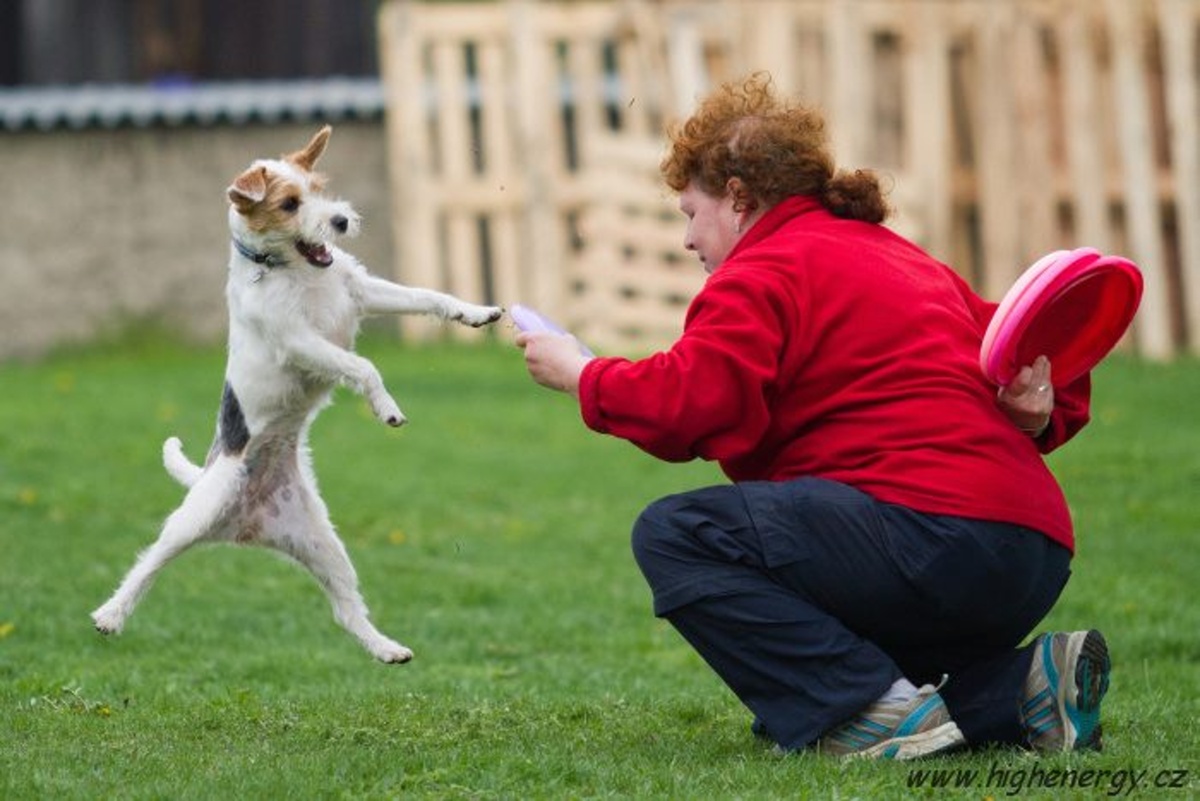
(340, 223)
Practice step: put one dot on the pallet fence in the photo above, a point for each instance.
(524, 138)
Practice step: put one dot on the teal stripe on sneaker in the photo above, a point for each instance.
(913, 722)
(1048, 665)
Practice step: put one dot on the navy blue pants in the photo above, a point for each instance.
(810, 598)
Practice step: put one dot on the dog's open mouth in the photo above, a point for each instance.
(315, 253)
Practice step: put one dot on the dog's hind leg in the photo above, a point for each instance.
(303, 531)
(203, 511)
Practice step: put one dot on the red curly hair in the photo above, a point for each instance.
(777, 149)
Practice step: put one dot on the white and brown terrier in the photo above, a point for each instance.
(295, 303)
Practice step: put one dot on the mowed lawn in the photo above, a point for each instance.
(491, 536)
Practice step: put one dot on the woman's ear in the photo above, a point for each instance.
(743, 203)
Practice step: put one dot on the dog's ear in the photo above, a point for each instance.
(307, 158)
(249, 188)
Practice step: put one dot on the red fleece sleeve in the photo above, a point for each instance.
(707, 396)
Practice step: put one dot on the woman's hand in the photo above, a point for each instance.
(1028, 400)
(553, 360)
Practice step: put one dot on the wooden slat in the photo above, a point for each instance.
(1144, 220)
(1178, 22)
(456, 166)
(411, 162)
(638, 34)
(997, 196)
(586, 78)
(771, 38)
(1033, 123)
(500, 173)
(928, 146)
(427, 22)
(689, 75)
(535, 100)
(642, 92)
(849, 105)
(811, 81)
(1085, 163)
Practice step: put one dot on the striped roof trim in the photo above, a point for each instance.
(185, 103)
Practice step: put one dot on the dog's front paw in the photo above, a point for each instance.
(479, 316)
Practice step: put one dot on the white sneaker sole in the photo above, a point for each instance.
(915, 746)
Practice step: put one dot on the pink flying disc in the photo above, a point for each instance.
(529, 320)
(1071, 307)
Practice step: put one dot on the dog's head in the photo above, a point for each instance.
(279, 204)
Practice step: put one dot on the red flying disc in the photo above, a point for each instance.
(1071, 307)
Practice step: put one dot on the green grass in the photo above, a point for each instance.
(491, 536)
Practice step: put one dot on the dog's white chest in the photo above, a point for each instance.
(332, 311)
(288, 302)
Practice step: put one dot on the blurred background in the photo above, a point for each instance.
(507, 150)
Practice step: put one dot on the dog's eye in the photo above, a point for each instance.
(290, 204)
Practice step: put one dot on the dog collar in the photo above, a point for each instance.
(265, 259)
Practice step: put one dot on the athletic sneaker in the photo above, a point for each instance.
(1066, 683)
(896, 730)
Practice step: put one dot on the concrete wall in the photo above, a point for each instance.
(108, 227)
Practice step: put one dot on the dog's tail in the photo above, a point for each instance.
(178, 465)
